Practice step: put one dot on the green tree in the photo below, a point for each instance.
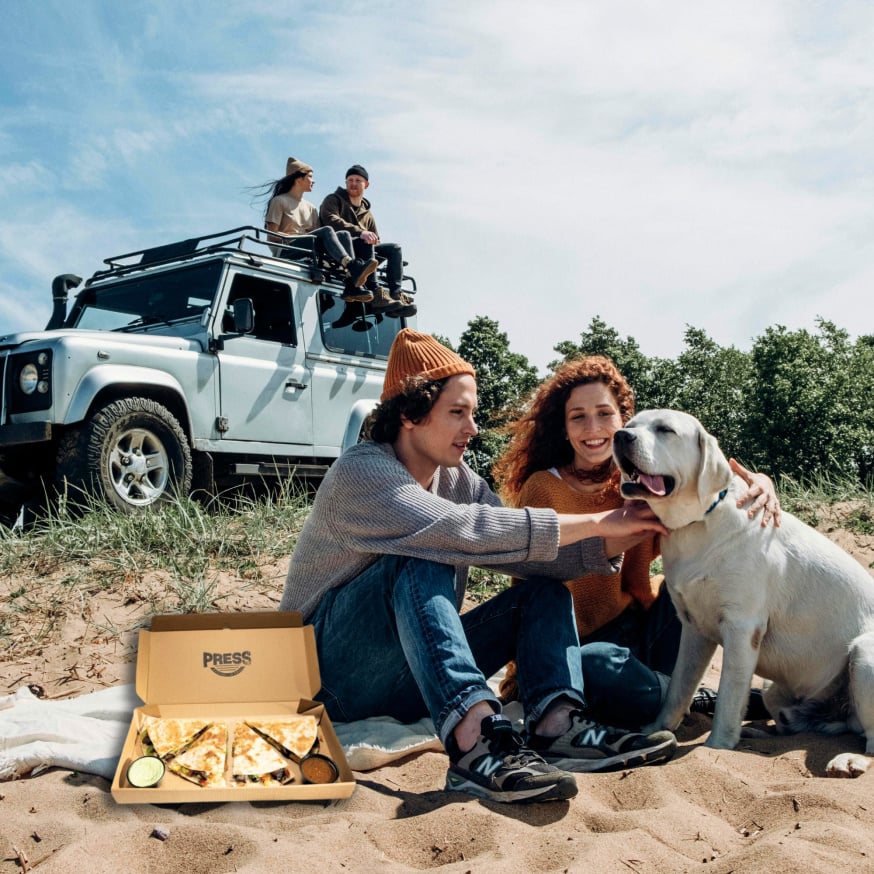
(711, 383)
(503, 379)
(653, 380)
(809, 407)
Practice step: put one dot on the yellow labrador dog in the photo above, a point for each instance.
(785, 603)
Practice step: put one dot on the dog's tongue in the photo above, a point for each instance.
(656, 484)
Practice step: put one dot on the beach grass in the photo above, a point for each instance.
(193, 556)
(184, 557)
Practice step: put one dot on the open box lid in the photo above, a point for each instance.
(227, 657)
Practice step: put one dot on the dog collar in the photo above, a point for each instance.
(719, 497)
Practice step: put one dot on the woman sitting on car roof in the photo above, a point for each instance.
(288, 213)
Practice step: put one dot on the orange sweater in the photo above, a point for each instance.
(598, 598)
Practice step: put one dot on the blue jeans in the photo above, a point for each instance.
(627, 661)
(335, 245)
(392, 643)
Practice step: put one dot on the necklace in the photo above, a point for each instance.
(599, 474)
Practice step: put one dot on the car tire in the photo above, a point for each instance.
(132, 453)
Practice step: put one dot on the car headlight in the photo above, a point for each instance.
(28, 379)
(28, 386)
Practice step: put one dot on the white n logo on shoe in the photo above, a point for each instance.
(592, 737)
(488, 765)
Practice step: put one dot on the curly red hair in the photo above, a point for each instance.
(538, 440)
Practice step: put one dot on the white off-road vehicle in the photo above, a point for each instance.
(189, 366)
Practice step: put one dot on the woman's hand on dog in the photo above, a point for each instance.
(761, 492)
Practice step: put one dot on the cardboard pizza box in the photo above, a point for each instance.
(228, 667)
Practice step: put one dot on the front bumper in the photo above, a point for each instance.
(25, 433)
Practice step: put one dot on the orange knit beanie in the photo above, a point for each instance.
(415, 354)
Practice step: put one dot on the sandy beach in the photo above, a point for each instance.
(765, 807)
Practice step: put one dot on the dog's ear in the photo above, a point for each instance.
(714, 473)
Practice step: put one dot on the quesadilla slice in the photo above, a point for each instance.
(204, 761)
(256, 761)
(294, 736)
(166, 738)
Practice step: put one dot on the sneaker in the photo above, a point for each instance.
(704, 702)
(359, 270)
(501, 768)
(589, 746)
(383, 301)
(406, 308)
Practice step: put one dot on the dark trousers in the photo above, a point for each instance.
(391, 252)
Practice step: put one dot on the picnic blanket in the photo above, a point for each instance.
(87, 734)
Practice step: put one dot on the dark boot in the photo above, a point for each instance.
(359, 270)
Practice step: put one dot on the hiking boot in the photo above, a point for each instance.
(501, 768)
(704, 702)
(359, 270)
(406, 308)
(352, 294)
(317, 275)
(589, 746)
(383, 301)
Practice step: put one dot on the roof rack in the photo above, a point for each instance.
(246, 239)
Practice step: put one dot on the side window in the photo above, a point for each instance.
(272, 302)
(354, 329)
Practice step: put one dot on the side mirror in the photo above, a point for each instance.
(244, 315)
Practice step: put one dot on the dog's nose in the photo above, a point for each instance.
(623, 437)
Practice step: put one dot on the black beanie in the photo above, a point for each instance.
(358, 170)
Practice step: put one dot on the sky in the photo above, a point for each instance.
(656, 165)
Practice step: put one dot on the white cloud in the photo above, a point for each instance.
(699, 163)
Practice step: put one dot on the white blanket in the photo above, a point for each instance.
(87, 734)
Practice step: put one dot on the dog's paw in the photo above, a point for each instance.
(716, 742)
(847, 765)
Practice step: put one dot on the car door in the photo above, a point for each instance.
(265, 395)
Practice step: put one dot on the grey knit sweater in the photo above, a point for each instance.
(369, 505)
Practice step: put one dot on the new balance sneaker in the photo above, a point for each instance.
(501, 768)
(359, 270)
(589, 746)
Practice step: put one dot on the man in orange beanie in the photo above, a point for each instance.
(380, 570)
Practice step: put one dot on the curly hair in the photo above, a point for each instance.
(415, 402)
(538, 439)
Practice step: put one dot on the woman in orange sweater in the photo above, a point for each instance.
(561, 456)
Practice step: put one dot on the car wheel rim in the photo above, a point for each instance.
(139, 467)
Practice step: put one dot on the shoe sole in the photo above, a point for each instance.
(365, 274)
(564, 789)
(652, 756)
(363, 297)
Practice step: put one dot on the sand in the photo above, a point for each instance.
(766, 806)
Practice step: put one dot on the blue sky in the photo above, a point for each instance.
(657, 165)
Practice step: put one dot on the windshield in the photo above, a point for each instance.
(158, 298)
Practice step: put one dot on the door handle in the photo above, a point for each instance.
(293, 383)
